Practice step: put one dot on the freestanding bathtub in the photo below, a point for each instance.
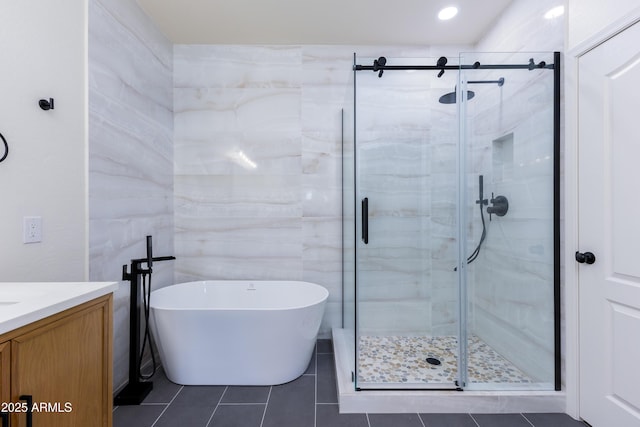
(236, 332)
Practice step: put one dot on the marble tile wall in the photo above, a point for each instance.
(130, 153)
(258, 161)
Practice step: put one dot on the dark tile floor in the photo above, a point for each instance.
(309, 401)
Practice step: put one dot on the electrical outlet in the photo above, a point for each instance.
(32, 229)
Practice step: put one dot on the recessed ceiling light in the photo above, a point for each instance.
(447, 13)
(555, 12)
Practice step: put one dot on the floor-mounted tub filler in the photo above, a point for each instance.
(236, 332)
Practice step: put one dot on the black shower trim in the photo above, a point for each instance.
(379, 65)
(557, 82)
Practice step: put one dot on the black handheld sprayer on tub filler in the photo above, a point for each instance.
(135, 391)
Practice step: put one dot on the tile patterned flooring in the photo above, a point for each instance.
(309, 401)
(400, 359)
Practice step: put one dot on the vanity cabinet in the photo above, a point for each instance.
(64, 362)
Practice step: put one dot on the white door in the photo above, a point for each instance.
(609, 227)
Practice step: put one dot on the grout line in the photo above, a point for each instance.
(167, 407)
(241, 403)
(315, 389)
(217, 405)
(474, 420)
(266, 405)
(523, 416)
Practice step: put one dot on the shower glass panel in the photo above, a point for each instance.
(451, 211)
(507, 134)
(348, 225)
(407, 297)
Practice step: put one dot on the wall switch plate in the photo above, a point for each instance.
(32, 229)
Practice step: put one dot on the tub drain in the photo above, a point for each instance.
(433, 361)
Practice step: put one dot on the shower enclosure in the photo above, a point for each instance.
(450, 222)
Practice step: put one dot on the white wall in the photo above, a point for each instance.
(130, 153)
(589, 17)
(43, 47)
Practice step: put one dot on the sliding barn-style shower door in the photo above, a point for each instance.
(405, 187)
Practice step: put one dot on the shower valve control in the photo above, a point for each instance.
(499, 206)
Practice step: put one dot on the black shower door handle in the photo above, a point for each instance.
(365, 220)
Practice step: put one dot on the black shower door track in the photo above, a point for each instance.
(476, 66)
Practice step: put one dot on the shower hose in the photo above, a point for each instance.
(146, 297)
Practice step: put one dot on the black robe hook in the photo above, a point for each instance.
(6, 148)
(46, 105)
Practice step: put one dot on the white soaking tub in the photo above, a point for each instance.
(236, 332)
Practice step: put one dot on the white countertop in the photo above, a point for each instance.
(24, 303)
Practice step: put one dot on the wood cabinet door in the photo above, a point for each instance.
(62, 366)
(5, 372)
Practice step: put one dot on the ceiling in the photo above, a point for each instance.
(346, 22)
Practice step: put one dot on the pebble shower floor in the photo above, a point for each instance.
(400, 359)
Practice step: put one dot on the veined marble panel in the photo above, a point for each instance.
(322, 253)
(142, 198)
(129, 17)
(321, 109)
(403, 153)
(146, 142)
(238, 248)
(322, 264)
(116, 26)
(130, 153)
(529, 198)
(321, 175)
(393, 109)
(150, 104)
(392, 283)
(528, 355)
(237, 66)
(239, 153)
(237, 196)
(327, 66)
(395, 317)
(201, 112)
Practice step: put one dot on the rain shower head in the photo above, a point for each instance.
(451, 97)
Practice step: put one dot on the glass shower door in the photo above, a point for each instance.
(406, 250)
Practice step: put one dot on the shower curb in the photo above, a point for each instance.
(433, 401)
